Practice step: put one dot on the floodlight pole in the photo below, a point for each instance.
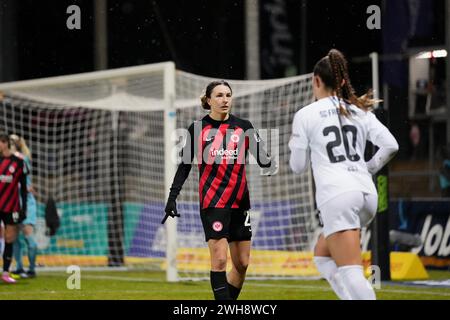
(252, 40)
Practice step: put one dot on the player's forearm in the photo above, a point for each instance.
(259, 151)
(381, 158)
(179, 179)
(299, 160)
(264, 160)
(388, 148)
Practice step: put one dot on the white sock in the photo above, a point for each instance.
(357, 285)
(328, 269)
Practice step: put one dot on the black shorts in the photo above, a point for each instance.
(9, 218)
(233, 224)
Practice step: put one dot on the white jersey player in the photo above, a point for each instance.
(331, 133)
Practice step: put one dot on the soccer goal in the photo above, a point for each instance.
(103, 147)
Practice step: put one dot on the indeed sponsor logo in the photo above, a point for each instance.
(225, 153)
(6, 179)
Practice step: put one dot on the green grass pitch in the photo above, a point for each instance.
(129, 285)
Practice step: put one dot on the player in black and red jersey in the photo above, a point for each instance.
(13, 173)
(220, 142)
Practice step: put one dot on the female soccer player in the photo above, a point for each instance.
(221, 142)
(332, 134)
(21, 150)
(13, 173)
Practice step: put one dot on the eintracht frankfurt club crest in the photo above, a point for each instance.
(217, 226)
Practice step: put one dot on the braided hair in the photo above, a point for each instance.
(333, 70)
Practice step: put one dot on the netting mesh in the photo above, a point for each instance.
(98, 148)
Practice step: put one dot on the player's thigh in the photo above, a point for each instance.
(321, 248)
(218, 250)
(344, 247)
(10, 221)
(27, 229)
(240, 254)
(11, 231)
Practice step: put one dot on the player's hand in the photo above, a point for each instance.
(32, 190)
(170, 210)
(19, 216)
(270, 171)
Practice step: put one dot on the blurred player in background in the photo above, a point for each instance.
(221, 142)
(13, 173)
(331, 133)
(21, 150)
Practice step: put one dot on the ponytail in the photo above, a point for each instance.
(333, 70)
(204, 102)
(20, 145)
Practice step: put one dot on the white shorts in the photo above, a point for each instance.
(348, 211)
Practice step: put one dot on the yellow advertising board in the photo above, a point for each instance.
(404, 265)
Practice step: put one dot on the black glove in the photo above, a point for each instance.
(22, 215)
(270, 171)
(19, 216)
(170, 210)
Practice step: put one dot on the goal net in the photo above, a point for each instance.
(103, 146)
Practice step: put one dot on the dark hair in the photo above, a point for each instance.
(209, 89)
(5, 138)
(333, 70)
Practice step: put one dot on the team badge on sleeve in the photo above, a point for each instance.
(235, 138)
